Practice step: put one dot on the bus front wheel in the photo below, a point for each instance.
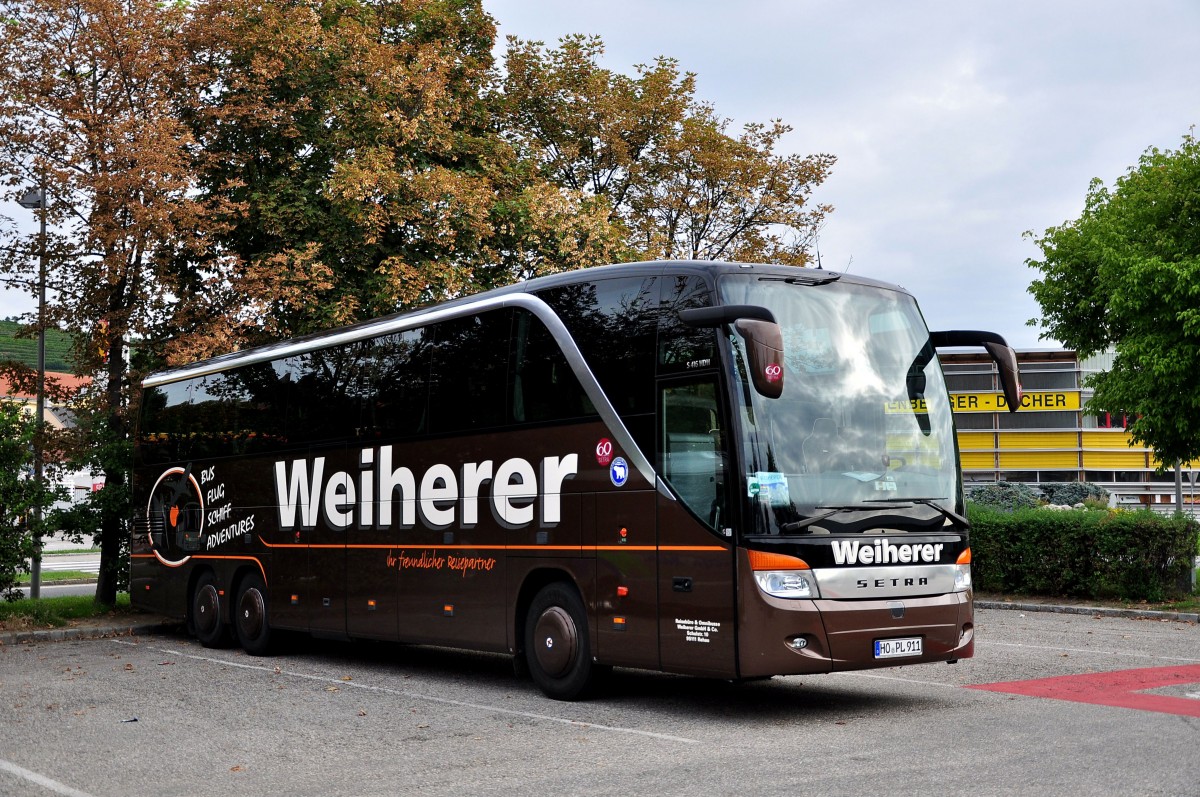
(557, 649)
(251, 620)
(210, 629)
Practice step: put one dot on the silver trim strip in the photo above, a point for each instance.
(527, 301)
(842, 583)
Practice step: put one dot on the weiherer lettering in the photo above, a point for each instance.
(380, 494)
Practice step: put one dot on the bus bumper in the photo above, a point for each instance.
(791, 637)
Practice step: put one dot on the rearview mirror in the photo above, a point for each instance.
(764, 347)
(764, 340)
(1000, 351)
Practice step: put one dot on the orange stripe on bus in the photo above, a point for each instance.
(254, 559)
(468, 547)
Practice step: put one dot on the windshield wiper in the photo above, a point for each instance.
(873, 505)
(821, 278)
(930, 502)
(797, 525)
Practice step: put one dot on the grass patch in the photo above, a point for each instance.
(1185, 604)
(59, 612)
(60, 575)
(1191, 604)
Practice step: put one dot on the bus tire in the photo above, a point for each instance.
(251, 620)
(557, 648)
(210, 629)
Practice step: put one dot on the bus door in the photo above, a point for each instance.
(696, 589)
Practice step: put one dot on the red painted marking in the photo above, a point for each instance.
(1123, 689)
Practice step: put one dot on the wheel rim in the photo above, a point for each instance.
(251, 613)
(555, 641)
(208, 610)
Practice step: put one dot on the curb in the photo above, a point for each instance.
(1094, 611)
(88, 632)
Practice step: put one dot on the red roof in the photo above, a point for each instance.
(68, 381)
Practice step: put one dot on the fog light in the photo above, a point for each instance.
(797, 643)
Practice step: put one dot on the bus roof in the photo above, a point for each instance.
(405, 319)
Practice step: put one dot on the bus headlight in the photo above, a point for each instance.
(783, 576)
(962, 572)
(787, 583)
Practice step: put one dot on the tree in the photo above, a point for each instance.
(677, 182)
(363, 168)
(711, 196)
(89, 93)
(1125, 275)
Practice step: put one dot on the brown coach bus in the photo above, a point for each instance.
(717, 469)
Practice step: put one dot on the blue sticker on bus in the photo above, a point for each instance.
(618, 471)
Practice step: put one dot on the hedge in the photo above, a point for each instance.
(1082, 553)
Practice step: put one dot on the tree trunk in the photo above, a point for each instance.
(112, 526)
(111, 531)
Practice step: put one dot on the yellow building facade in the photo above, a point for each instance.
(1051, 438)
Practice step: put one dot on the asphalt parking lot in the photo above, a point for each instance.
(1069, 705)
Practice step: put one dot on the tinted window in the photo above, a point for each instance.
(614, 323)
(469, 376)
(544, 388)
(400, 374)
(328, 393)
(501, 367)
(218, 415)
(682, 348)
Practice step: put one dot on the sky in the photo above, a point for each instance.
(957, 126)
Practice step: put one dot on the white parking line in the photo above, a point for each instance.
(860, 674)
(415, 695)
(41, 780)
(1094, 651)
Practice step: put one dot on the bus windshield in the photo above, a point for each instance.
(863, 430)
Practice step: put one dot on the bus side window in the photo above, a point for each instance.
(400, 364)
(693, 459)
(468, 381)
(161, 431)
(211, 416)
(543, 386)
(682, 348)
(325, 394)
(613, 322)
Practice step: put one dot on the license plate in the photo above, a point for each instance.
(892, 648)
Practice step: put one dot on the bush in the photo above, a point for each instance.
(1072, 493)
(20, 497)
(1083, 554)
(1009, 496)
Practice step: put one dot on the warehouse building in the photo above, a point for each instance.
(1051, 438)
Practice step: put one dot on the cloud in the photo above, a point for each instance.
(957, 126)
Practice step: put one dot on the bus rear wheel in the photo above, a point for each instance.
(251, 620)
(557, 648)
(210, 629)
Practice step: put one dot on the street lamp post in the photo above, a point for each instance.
(35, 199)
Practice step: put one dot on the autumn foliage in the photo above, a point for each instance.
(677, 183)
(228, 172)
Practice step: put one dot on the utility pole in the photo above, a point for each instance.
(1179, 486)
(35, 199)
